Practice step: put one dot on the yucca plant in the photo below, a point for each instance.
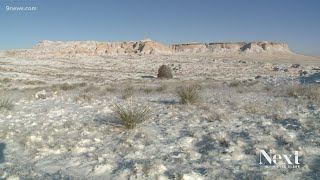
(130, 115)
(6, 104)
(188, 94)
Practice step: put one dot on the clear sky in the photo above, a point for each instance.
(296, 22)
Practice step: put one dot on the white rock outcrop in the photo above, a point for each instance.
(58, 49)
(240, 47)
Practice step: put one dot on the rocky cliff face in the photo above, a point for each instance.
(147, 46)
(241, 47)
(91, 48)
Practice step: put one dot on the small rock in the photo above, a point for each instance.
(13, 177)
(41, 94)
(3, 175)
(191, 176)
(302, 72)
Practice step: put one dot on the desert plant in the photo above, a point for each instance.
(188, 94)
(127, 92)
(311, 92)
(162, 88)
(83, 84)
(6, 104)
(147, 90)
(111, 89)
(234, 84)
(130, 115)
(34, 82)
(165, 72)
(67, 86)
(6, 80)
(215, 117)
(83, 96)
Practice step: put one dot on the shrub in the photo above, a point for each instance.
(84, 97)
(111, 89)
(6, 104)
(147, 90)
(311, 92)
(83, 84)
(128, 92)
(188, 94)
(6, 80)
(215, 117)
(67, 86)
(131, 115)
(165, 72)
(234, 84)
(162, 88)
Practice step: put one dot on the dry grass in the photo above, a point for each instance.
(6, 104)
(34, 82)
(234, 84)
(130, 115)
(83, 97)
(215, 117)
(188, 94)
(162, 88)
(311, 92)
(67, 86)
(128, 92)
(5, 80)
(147, 90)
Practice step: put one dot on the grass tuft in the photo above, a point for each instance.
(67, 86)
(128, 92)
(6, 104)
(311, 92)
(130, 115)
(188, 94)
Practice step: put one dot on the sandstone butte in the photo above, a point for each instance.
(146, 46)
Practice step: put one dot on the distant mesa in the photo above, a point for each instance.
(144, 47)
(228, 47)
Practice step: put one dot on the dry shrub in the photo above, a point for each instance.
(67, 86)
(83, 97)
(311, 92)
(6, 104)
(128, 92)
(132, 114)
(188, 94)
(165, 72)
(162, 88)
(147, 90)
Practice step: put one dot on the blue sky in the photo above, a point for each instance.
(295, 22)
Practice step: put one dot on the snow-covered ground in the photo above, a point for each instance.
(68, 131)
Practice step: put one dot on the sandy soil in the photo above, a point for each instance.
(62, 124)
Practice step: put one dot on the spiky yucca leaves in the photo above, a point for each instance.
(130, 115)
(6, 104)
(188, 94)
